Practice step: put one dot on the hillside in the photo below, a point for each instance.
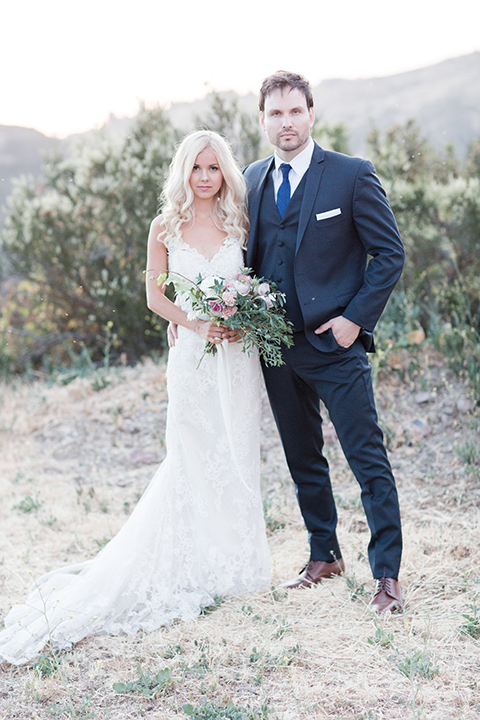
(76, 457)
(22, 152)
(443, 99)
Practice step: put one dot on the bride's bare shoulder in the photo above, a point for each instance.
(157, 230)
(157, 225)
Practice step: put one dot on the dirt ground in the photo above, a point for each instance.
(76, 457)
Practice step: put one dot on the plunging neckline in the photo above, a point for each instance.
(194, 249)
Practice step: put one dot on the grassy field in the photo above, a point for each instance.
(76, 457)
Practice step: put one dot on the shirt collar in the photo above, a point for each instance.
(300, 163)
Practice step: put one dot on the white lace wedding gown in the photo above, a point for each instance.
(198, 531)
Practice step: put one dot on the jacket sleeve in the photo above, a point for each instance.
(378, 232)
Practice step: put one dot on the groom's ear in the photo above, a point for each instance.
(262, 120)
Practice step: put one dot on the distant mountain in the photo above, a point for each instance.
(442, 98)
(21, 153)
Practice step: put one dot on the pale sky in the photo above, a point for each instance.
(66, 65)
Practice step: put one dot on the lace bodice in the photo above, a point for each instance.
(187, 261)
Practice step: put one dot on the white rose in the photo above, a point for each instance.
(208, 284)
(241, 288)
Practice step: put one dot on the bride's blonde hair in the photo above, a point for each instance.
(229, 211)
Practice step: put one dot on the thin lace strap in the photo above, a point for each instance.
(231, 241)
(172, 243)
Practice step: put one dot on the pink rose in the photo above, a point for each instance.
(263, 288)
(229, 297)
(215, 307)
(228, 312)
(268, 301)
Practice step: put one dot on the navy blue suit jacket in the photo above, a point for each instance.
(332, 273)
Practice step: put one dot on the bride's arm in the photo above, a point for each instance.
(157, 263)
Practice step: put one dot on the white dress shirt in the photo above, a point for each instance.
(299, 166)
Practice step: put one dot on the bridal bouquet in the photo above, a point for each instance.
(252, 305)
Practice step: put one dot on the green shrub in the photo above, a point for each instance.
(74, 250)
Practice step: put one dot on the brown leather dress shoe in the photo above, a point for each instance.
(316, 571)
(387, 596)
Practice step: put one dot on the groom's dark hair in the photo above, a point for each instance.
(279, 81)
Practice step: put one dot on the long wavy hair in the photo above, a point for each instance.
(229, 210)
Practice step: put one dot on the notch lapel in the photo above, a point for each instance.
(314, 176)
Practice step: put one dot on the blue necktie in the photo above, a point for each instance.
(283, 195)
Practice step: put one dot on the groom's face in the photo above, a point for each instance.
(287, 121)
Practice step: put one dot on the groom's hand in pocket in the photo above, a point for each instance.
(344, 331)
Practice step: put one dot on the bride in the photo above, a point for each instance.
(198, 531)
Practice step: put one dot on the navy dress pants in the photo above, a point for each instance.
(342, 380)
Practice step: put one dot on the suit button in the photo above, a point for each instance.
(279, 280)
(281, 243)
(280, 262)
(282, 227)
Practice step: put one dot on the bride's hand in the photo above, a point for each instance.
(214, 333)
(233, 335)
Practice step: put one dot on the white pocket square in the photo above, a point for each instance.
(328, 214)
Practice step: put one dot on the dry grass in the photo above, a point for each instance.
(84, 456)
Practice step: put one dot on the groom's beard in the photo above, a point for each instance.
(292, 143)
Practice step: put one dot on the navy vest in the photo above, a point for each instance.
(276, 250)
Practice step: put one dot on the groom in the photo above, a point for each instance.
(315, 217)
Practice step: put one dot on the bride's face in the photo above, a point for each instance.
(206, 178)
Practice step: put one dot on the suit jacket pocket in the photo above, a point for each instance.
(326, 222)
(336, 348)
